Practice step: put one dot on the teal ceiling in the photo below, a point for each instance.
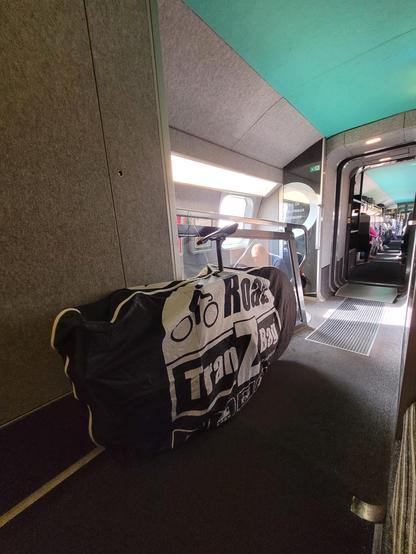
(339, 63)
(398, 180)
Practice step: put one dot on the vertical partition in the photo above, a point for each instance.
(84, 199)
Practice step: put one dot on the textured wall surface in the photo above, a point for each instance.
(58, 237)
(279, 136)
(209, 87)
(122, 51)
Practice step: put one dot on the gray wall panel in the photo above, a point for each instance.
(391, 130)
(121, 45)
(58, 242)
(376, 129)
(193, 198)
(269, 207)
(335, 142)
(410, 118)
(410, 126)
(58, 231)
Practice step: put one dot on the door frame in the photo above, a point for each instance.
(338, 188)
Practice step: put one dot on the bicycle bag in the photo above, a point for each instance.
(157, 363)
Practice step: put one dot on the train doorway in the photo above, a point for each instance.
(381, 201)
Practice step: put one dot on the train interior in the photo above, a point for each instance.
(135, 130)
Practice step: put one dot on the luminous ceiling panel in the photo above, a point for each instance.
(341, 64)
(398, 181)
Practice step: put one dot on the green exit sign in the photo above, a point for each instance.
(314, 168)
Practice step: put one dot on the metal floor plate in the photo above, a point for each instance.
(352, 327)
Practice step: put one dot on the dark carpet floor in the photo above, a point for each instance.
(229, 490)
(276, 479)
(379, 270)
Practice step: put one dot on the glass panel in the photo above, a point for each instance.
(263, 252)
(255, 252)
(301, 206)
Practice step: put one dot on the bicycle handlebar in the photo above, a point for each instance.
(220, 234)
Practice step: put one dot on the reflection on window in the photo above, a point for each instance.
(295, 212)
(232, 205)
(300, 205)
(295, 207)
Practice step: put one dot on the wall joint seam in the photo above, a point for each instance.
(105, 143)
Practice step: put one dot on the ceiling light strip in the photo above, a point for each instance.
(199, 174)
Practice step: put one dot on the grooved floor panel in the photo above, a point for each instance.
(353, 326)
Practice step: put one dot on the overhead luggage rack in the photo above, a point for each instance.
(197, 252)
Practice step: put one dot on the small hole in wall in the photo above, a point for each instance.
(120, 173)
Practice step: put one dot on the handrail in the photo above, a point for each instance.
(215, 215)
(250, 220)
(190, 230)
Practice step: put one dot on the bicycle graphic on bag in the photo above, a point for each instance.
(208, 315)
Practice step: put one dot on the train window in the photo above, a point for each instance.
(232, 204)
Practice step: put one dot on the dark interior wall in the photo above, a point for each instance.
(78, 105)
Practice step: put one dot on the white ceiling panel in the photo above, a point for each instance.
(211, 92)
(279, 136)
